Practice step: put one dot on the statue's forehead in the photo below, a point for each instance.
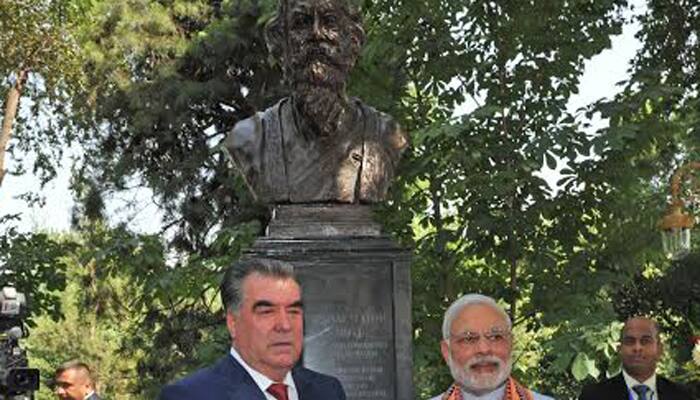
(315, 4)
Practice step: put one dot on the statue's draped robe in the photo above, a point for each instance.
(282, 164)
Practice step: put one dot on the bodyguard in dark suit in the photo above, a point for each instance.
(264, 316)
(640, 350)
(616, 388)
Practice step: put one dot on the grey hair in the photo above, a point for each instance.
(232, 282)
(469, 300)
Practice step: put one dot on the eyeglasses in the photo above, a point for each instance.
(494, 336)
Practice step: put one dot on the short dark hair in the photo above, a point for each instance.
(653, 322)
(232, 282)
(78, 366)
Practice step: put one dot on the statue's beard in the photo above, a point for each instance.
(320, 98)
(322, 110)
(318, 72)
(320, 64)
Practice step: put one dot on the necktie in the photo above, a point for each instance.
(279, 391)
(642, 391)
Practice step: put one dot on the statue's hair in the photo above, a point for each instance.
(277, 30)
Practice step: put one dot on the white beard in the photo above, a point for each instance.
(479, 383)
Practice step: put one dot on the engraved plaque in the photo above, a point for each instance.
(349, 330)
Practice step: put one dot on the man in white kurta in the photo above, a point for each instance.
(477, 345)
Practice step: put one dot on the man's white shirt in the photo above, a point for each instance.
(264, 382)
(652, 394)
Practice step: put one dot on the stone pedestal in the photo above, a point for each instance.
(357, 296)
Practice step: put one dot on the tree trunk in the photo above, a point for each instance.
(11, 105)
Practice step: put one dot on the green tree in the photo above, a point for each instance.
(98, 311)
(40, 61)
(165, 82)
(135, 319)
(32, 263)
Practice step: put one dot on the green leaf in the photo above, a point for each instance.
(583, 366)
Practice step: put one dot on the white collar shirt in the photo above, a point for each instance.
(652, 394)
(263, 382)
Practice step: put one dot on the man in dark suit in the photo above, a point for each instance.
(640, 350)
(74, 381)
(264, 316)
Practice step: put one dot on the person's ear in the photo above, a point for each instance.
(86, 382)
(231, 324)
(445, 349)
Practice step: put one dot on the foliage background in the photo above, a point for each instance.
(153, 86)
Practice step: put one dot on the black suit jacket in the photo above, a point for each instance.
(615, 388)
(228, 380)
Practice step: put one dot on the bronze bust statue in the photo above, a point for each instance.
(317, 145)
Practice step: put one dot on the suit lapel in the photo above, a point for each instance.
(665, 388)
(306, 388)
(246, 392)
(620, 387)
(242, 385)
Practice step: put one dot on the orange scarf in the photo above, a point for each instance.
(514, 391)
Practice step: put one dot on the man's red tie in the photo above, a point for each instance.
(278, 391)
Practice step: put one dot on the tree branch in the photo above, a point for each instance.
(11, 106)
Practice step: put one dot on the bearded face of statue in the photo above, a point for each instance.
(322, 46)
(318, 42)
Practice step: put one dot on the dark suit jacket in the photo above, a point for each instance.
(228, 380)
(615, 388)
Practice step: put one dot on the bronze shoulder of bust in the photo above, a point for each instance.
(244, 133)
